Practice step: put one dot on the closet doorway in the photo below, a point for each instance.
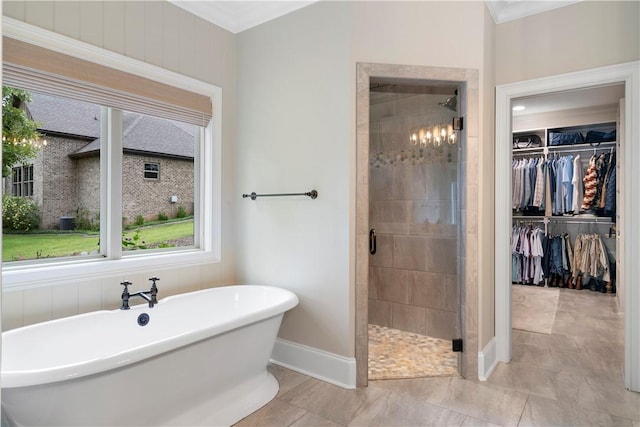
(619, 237)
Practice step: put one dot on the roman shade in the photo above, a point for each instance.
(42, 70)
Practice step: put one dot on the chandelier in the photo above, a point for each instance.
(435, 135)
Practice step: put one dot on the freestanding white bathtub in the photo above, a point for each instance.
(201, 359)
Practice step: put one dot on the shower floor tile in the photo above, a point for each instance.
(395, 354)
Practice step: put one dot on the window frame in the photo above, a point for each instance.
(207, 189)
(157, 171)
(25, 172)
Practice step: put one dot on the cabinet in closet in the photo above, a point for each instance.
(564, 202)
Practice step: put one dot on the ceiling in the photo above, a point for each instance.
(572, 99)
(239, 15)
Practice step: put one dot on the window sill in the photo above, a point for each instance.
(16, 278)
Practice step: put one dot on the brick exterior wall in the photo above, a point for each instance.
(88, 188)
(56, 180)
(147, 197)
(63, 186)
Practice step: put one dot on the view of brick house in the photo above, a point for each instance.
(64, 179)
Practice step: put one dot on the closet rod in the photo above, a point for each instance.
(592, 220)
(581, 150)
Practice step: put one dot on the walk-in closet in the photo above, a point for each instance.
(565, 210)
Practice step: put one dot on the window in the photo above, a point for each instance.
(152, 171)
(66, 178)
(115, 85)
(22, 181)
(158, 214)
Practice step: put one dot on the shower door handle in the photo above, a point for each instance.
(372, 241)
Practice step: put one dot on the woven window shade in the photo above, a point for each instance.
(41, 70)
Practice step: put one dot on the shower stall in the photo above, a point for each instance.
(414, 215)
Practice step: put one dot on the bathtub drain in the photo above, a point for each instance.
(143, 319)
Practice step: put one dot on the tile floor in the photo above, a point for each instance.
(395, 354)
(570, 377)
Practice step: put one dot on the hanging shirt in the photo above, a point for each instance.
(567, 186)
(538, 193)
(576, 180)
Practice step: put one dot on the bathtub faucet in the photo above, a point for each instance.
(150, 296)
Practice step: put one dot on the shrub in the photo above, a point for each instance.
(139, 220)
(134, 242)
(19, 213)
(86, 221)
(162, 216)
(181, 213)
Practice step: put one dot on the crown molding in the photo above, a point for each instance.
(237, 16)
(509, 10)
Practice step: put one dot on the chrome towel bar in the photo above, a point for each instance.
(313, 194)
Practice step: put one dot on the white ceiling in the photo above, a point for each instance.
(568, 100)
(504, 11)
(239, 15)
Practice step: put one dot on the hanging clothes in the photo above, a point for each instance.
(590, 181)
(576, 180)
(528, 184)
(527, 253)
(592, 267)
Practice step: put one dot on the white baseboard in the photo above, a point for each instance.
(325, 366)
(487, 360)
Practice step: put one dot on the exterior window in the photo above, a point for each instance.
(152, 171)
(87, 185)
(63, 185)
(22, 181)
(156, 215)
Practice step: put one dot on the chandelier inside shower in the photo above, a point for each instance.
(435, 135)
(440, 132)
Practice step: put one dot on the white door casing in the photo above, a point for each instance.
(629, 74)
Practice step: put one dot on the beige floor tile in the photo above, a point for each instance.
(540, 411)
(332, 402)
(402, 410)
(287, 378)
(525, 379)
(474, 422)
(313, 420)
(478, 400)
(482, 401)
(276, 413)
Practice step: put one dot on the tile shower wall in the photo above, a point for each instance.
(413, 276)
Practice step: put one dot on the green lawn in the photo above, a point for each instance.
(39, 245)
